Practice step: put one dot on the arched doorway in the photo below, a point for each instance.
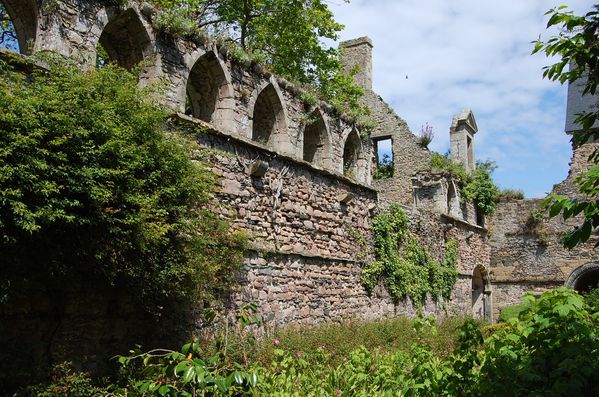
(481, 294)
(584, 278)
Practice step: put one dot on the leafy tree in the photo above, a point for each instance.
(8, 35)
(92, 185)
(286, 35)
(578, 46)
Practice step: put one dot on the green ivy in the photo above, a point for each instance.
(406, 266)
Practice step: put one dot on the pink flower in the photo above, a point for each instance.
(337, 392)
(277, 342)
(298, 354)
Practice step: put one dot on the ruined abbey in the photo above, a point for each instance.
(303, 190)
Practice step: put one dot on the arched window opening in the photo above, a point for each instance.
(268, 113)
(125, 41)
(352, 152)
(584, 278)
(384, 158)
(18, 25)
(481, 300)
(316, 140)
(206, 88)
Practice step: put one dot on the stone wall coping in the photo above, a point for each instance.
(356, 42)
(540, 281)
(463, 222)
(179, 118)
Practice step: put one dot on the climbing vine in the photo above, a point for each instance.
(407, 267)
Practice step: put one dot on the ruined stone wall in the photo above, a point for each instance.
(526, 252)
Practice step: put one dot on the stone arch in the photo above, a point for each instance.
(481, 291)
(209, 90)
(24, 16)
(316, 140)
(354, 161)
(126, 39)
(269, 119)
(584, 278)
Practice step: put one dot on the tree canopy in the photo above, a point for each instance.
(577, 46)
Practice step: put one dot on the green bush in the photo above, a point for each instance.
(92, 184)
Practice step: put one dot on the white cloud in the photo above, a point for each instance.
(471, 54)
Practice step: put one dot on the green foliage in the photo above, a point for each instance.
(92, 185)
(65, 382)
(384, 168)
(577, 46)
(478, 186)
(510, 194)
(407, 268)
(512, 311)
(287, 36)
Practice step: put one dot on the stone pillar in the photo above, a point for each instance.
(461, 134)
(358, 52)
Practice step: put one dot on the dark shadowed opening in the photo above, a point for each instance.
(267, 113)
(315, 139)
(125, 40)
(206, 82)
(351, 153)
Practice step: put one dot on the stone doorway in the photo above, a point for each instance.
(481, 294)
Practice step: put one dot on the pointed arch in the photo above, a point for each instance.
(481, 299)
(316, 140)
(354, 161)
(24, 16)
(126, 39)
(209, 90)
(269, 119)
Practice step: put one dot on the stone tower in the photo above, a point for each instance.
(461, 134)
(358, 52)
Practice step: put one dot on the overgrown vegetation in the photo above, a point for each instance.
(578, 46)
(549, 346)
(510, 194)
(477, 186)
(92, 186)
(406, 267)
(286, 36)
(384, 168)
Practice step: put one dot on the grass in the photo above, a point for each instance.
(339, 338)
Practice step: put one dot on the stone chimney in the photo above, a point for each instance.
(461, 135)
(358, 52)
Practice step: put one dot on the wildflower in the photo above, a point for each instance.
(277, 342)
(298, 354)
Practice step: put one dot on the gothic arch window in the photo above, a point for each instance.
(584, 278)
(125, 40)
(352, 154)
(21, 30)
(268, 116)
(316, 140)
(208, 90)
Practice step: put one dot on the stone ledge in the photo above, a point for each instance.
(266, 253)
(182, 119)
(464, 223)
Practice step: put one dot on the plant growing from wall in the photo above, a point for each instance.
(407, 267)
(93, 187)
(478, 186)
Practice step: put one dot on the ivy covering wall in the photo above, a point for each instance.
(407, 268)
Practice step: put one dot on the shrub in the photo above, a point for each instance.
(93, 185)
(510, 194)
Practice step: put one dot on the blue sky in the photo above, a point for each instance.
(471, 54)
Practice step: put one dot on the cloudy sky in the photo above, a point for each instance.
(471, 54)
